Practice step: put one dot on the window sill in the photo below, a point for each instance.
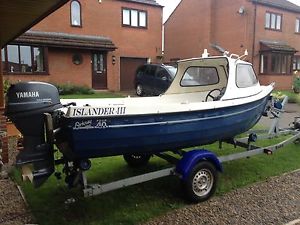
(270, 29)
(76, 26)
(128, 26)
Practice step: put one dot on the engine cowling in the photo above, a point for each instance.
(26, 104)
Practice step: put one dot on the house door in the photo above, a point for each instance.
(99, 72)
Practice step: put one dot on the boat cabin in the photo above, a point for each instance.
(215, 78)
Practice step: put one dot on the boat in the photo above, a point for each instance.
(212, 98)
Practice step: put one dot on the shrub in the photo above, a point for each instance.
(6, 85)
(292, 97)
(70, 89)
(278, 96)
(296, 84)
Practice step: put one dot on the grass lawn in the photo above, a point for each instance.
(133, 205)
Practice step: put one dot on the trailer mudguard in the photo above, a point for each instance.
(191, 158)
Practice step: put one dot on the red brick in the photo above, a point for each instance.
(100, 19)
(195, 24)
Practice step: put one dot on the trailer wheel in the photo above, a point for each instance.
(202, 182)
(136, 160)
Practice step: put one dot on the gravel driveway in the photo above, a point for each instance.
(275, 201)
(12, 207)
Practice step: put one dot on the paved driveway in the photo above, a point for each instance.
(291, 111)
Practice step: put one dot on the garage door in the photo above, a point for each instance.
(128, 68)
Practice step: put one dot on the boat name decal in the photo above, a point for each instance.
(106, 111)
(28, 94)
(90, 124)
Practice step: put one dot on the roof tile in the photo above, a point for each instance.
(282, 4)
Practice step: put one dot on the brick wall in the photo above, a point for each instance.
(3, 136)
(100, 19)
(187, 31)
(194, 25)
(288, 35)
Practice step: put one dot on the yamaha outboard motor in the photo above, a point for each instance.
(26, 104)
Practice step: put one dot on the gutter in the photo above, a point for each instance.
(254, 31)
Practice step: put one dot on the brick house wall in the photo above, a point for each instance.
(3, 130)
(187, 31)
(221, 24)
(195, 25)
(287, 34)
(99, 19)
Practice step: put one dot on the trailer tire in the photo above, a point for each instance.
(136, 160)
(201, 182)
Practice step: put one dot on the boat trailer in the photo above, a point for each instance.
(198, 168)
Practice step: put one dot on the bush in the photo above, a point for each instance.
(292, 97)
(70, 89)
(278, 96)
(296, 84)
(6, 85)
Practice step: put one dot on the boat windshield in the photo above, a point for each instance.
(245, 76)
(200, 76)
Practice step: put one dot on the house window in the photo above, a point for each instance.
(3, 59)
(273, 21)
(24, 59)
(296, 63)
(134, 18)
(275, 63)
(75, 14)
(297, 26)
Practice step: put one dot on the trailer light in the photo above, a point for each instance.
(268, 151)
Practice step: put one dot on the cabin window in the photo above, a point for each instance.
(275, 63)
(245, 76)
(23, 59)
(273, 21)
(75, 14)
(134, 18)
(200, 76)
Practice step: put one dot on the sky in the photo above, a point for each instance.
(170, 5)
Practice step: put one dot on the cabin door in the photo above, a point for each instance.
(99, 72)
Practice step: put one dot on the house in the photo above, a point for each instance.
(268, 29)
(96, 43)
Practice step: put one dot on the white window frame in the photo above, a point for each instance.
(134, 18)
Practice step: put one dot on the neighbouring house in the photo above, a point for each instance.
(269, 29)
(96, 43)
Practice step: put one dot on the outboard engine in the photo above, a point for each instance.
(26, 104)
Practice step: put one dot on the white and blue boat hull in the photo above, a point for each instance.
(152, 133)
